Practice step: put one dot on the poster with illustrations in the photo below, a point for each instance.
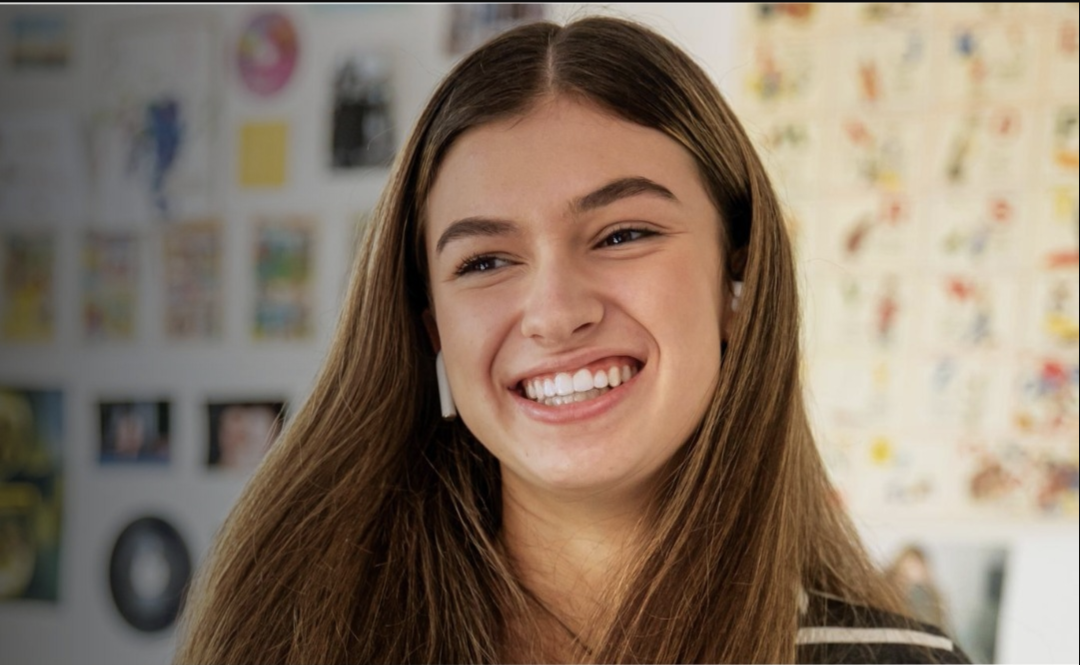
(927, 160)
(267, 52)
(42, 168)
(110, 273)
(284, 271)
(154, 121)
(28, 289)
(193, 301)
(31, 493)
(38, 40)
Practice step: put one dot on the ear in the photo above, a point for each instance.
(432, 329)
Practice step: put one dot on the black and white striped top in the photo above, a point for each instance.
(835, 631)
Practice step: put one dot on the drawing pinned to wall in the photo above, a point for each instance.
(987, 60)
(1057, 234)
(781, 72)
(961, 393)
(864, 310)
(263, 154)
(134, 432)
(870, 228)
(473, 24)
(31, 493)
(110, 268)
(790, 146)
(873, 153)
(990, 144)
(1047, 396)
(965, 311)
(362, 131)
(1065, 61)
(778, 15)
(888, 68)
(1032, 476)
(284, 255)
(28, 296)
(1065, 141)
(856, 391)
(977, 230)
(1055, 322)
(241, 432)
(193, 281)
(42, 168)
(267, 52)
(38, 41)
(155, 120)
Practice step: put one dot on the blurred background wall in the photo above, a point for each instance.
(181, 188)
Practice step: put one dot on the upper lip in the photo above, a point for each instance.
(571, 362)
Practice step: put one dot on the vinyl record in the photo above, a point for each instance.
(148, 572)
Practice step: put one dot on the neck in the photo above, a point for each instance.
(568, 553)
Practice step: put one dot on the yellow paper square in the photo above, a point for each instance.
(263, 150)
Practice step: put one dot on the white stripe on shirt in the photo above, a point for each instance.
(837, 635)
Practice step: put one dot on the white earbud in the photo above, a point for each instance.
(446, 398)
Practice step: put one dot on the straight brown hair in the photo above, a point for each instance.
(370, 532)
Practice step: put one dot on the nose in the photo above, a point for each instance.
(561, 304)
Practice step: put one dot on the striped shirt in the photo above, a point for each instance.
(835, 631)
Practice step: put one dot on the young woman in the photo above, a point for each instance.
(580, 245)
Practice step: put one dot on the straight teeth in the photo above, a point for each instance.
(566, 388)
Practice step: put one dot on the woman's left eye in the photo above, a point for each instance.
(623, 236)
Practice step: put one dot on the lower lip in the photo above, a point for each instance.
(578, 411)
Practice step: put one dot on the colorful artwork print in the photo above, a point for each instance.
(31, 493)
(38, 41)
(154, 122)
(242, 432)
(362, 132)
(267, 53)
(27, 301)
(134, 432)
(109, 282)
(283, 278)
(263, 154)
(1023, 476)
(194, 305)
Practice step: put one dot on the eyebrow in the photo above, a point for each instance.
(610, 193)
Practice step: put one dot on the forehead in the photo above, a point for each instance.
(550, 156)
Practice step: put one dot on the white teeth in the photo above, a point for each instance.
(582, 385)
(564, 385)
(583, 380)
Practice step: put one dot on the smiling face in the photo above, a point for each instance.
(576, 280)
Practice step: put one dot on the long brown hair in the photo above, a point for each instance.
(370, 532)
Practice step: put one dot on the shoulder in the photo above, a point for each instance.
(832, 630)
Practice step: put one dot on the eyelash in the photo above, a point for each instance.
(476, 262)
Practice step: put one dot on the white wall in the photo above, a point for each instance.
(83, 627)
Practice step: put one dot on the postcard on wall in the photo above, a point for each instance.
(1063, 158)
(134, 432)
(972, 310)
(956, 392)
(362, 132)
(241, 432)
(284, 278)
(1052, 319)
(110, 262)
(263, 154)
(42, 168)
(31, 493)
(989, 60)
(861, 310)
(193, 281)
(884, 67)
(28, 294)
(873, 152)
(473, 24)
(781, 75)
(870, 229)
(38, 40)
(1021, 476)
(990, 144)
(154, 125)
(1057, 227)
(978, 229)
(1046, 396)
(267, 52)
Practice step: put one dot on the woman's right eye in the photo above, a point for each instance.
(481, 263)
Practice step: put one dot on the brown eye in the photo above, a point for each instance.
(623, 236)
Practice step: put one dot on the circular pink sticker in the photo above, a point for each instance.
(267, 52)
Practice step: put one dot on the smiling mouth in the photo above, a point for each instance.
(585, 384)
